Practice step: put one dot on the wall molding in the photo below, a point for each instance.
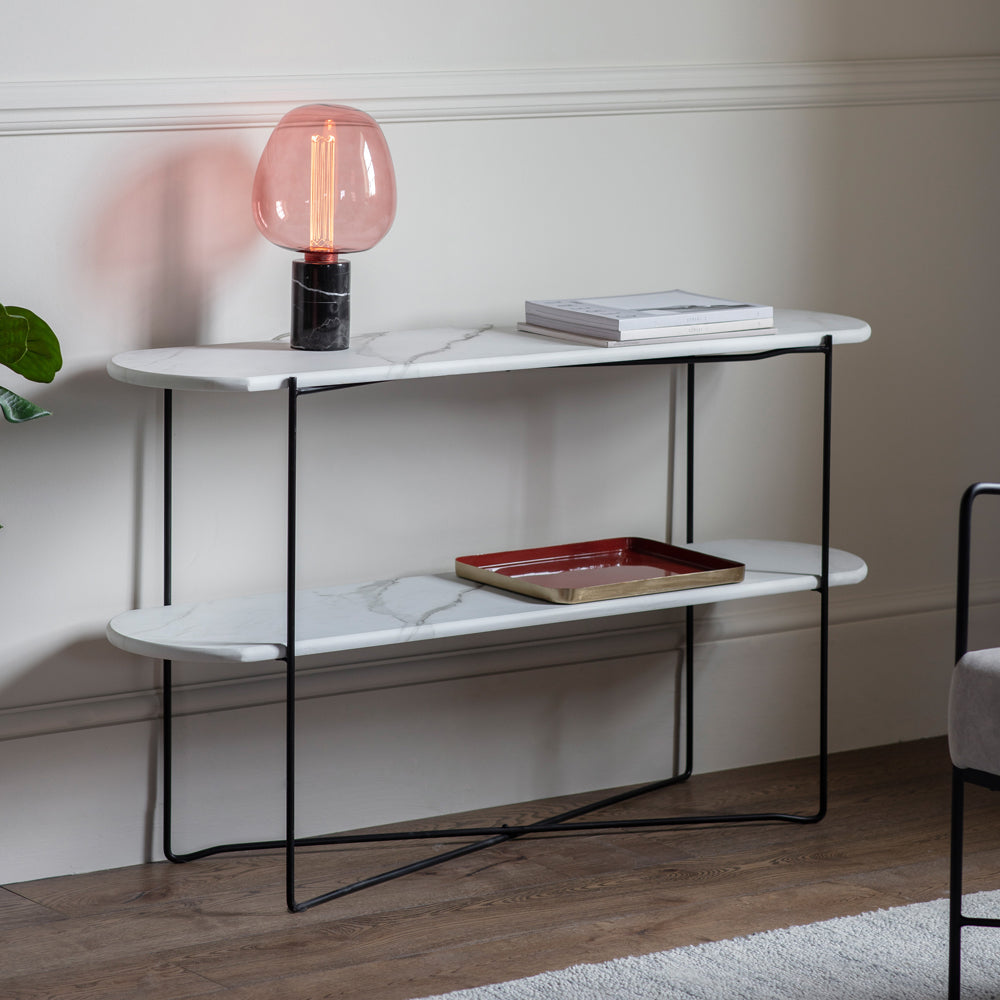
(660, 636)
(66, 106)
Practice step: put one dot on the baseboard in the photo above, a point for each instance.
(54, 107)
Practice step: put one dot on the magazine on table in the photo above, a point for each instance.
(626, 316)
(671, 335)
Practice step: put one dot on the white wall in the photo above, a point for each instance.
(829, 155)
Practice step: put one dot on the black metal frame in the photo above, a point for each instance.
(960, 776)
(493, 835)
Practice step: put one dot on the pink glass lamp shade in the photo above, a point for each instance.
(324, 187)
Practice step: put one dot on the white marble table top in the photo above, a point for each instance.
(384, 612)
(404, 354)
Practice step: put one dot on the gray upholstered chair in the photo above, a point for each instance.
(973, 734)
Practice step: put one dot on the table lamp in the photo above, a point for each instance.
(324, 187)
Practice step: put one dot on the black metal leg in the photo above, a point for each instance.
(689, 456)
(168, 682)
(955, 890)
(824, 583)
(292, 468)
(168, 769)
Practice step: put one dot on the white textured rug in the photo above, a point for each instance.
(895, 954)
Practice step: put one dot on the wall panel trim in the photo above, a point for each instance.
(67, 106)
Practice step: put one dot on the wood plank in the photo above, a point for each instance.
(98, 981)
(17, 911)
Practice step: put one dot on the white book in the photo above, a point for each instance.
(625, 316)
(709, 331)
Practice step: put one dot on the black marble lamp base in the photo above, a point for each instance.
(321, 305)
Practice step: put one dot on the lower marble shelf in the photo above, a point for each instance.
(408, 609)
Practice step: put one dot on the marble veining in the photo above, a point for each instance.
(380, 599)
(461, 338)
(317, 290)
(458, 601)
(385, 346)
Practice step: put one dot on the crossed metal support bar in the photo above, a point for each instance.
(490, 836)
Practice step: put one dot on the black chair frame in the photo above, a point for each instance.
(957, 920)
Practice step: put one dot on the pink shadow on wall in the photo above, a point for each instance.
(173, 229)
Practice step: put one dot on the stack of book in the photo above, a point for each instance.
(651, 318)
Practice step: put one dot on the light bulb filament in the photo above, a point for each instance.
(322, 191)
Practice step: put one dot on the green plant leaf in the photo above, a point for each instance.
(16, 409)
(13, 337)
(42, 359)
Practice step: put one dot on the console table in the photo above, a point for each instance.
(288, 624)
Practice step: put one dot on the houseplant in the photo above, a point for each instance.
(29, 347)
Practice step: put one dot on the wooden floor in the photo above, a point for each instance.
(218, 927)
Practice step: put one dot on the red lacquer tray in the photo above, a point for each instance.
(600, 570)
